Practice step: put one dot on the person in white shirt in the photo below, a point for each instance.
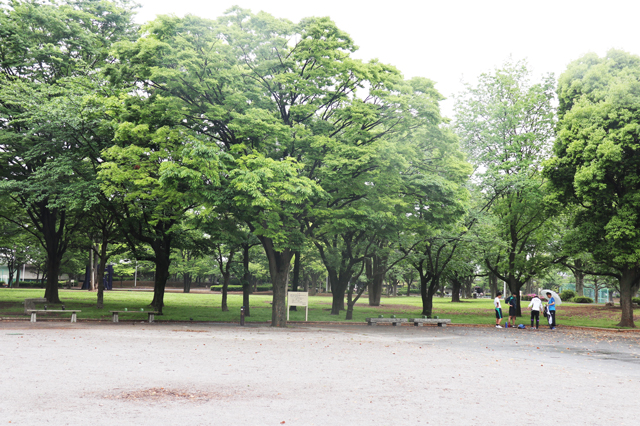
(536, 307)
(498, 309)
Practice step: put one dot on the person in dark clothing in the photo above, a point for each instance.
(512, 301)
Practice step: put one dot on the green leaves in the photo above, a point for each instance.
(598, 141)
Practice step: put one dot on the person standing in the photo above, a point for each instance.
(498, 309)
(551, 305)
(512, 301)
(536, 307)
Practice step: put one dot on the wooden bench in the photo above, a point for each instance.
(392, 321)
(151, 314)
(30, 304)
(419, 322)
(42, 311)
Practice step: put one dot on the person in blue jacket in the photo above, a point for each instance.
(551, 308)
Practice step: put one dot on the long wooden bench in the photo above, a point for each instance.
(392, 321)
(419, 322)
(42, 311)
(151, 314)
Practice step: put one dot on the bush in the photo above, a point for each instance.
(567, 295)
(636, 300)
(239, 287)
(526, 298)
(583, 299)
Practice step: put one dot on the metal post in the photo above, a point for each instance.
(135, 275)
(242, 315)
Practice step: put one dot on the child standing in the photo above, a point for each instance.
(498, 309)
(536, 307)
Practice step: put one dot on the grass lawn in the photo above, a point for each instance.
(206, 307)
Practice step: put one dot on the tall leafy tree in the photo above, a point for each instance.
(297, 113)
(597, 163)
(50, 124)
(506, 124)
(155, 173)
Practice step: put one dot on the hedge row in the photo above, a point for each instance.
(267, 287)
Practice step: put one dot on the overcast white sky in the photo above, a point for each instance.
(448, 41)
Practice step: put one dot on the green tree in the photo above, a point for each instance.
(506, 125)
(50, 56)
(597, 163)
(156, 172)
(298, 114)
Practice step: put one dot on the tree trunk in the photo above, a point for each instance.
(375, 286)
(493, 285)
(11, 269)
(339, 289)
(51, 289)
(55, 251)
(186, 282)
(102, 264)
(246, 276)
(160, 282)
(18, 275)
(313, 286)
(456, 285)
(409, 287)
(629, 284)
(162, 260)
(427, 290)
(92, 269)
(466, 287)
(579, 276)
(225, 287)
(279, 265)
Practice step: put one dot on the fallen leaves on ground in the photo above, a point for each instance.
(162, 394)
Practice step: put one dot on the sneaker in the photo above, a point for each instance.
(498, 326)
(553, 328)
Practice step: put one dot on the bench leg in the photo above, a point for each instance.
(441, 324)
(33, 317)
(373, 323)
(73, 317)
(151, 317)
(115, 317)
(395, 323)
(418, 324)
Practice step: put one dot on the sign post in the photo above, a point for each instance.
(298, 298)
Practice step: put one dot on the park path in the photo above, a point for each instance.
(60, 373)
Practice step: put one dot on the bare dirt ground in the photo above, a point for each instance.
(58, 373)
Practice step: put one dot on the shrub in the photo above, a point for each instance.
(636, 300)
(567, 295)
(583, 299)
(239, 287)
(527, 298)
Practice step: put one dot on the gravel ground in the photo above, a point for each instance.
(58, 373)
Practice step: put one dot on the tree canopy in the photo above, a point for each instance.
(184, 142)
